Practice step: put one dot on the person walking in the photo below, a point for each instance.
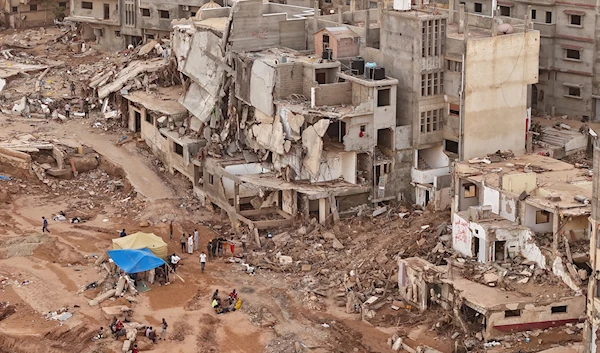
(202, 261)
(214, 247)
(183, 240)
(171, 231)
(67, 110)
(190, 241)
(232, 246)
(86, 109)
(72, 89)
(163, 332)
(196, 236)
(220, 247)
(244, 239)
(209, 248)
(45, 225)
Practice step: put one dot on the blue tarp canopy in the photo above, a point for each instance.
(135, 260)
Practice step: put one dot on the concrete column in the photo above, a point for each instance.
(323, 210)
(316, 15)
(555, 231)
(380, 12)
(236, 197)
(367, 25)
(340, 13)
(306, 207)
(461, 18)
(528, 19)
(451, 12)
(294, 203)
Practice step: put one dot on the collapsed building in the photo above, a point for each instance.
(531, 207)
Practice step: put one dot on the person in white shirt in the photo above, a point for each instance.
(190, 244)
(196, 239)
(202, 261)
(174, 260)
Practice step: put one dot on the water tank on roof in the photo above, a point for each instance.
(379, 73)
(402, 5)
(358, 65)
(370, 70)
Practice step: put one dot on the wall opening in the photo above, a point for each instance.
(451, 146)
(475, 247)
(336, 131)
(198, 175)
(542, 216)
(559, 309)
(138, 121)
(512, 313)
(106, 12)
(499, 247)
(149, 118)
(383, 97)
(178, 148)
(385, 141)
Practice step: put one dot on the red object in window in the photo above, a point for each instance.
(361, 134)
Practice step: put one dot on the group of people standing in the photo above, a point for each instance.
(189, 242)
(218, 246)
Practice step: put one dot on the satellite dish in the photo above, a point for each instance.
(505, 28)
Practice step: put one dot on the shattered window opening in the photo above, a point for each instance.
(478, 7)
(211, 179)
(62, 4)
(559, 309)
(164, 14)
(33, 7)
(87, 5)
(505, 11)
(470, 190)
(145, 12)
(542, 216)
(383, 97)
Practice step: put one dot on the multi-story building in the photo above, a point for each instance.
(591, 334)
(462, 88)
(568, 83)
(30, 13)
(116, 24)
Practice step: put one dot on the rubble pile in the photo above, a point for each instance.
(356, 260)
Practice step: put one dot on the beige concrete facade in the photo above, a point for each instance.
(19, 14)
(568, 83)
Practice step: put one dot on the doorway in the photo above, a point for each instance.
(475, 247)
(534, 97)
(106, 11)
(499, 251)
(138, 121)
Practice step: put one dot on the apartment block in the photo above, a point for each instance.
(568, 83)
(116, 24)
(31, 13)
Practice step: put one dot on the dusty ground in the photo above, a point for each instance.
(42, 273)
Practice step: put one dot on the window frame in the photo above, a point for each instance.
(85, 3)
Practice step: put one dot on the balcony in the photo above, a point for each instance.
(426, 176)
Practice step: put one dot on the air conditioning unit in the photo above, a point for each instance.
(185, 8)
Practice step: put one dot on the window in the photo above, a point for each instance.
(512, 313)
(470, 190)
(383, 97)
(453, 109)
(559, 309)
(548, 17)
(533, 14)
(117, 33)
(431, 121)
(193, 14)
(146, 12)
(150, 120)
(478, 7)
(575, 20)
(178, 148)
(451, 146)
(454, 66)
(33, 7)
(130, 12)
(15, 9)
(432, 83)
(62, 4)
(597, 294)
(150, 36)
(433, 33)
(573, 91)
(542, 216)
(504, 11)
(211, 179)
(163, 14)
(363, 128)
(87, 5)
